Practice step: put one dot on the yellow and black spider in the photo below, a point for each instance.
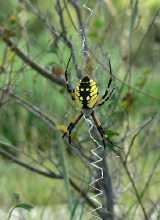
(87, 94)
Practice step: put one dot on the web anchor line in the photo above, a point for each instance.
(94, 164)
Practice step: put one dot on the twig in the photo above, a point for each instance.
(28, 60)
(81, 28)
(35, 110)
(121, 81)
(70, 16)
(148, 182)
(136, 134)
(146, 33)
(65, 37)
(108, 191)
(51, 124)
(25, 165)
(51, 175)
(84, 194)
(150, 177)
(41, 17)
(100, 163)
(138, 196)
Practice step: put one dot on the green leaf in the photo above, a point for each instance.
(144, 78)
(111, 133)
(99, 23)
(26, 206)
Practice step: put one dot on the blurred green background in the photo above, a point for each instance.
(129, 31)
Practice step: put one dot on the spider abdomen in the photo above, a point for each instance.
(86, 92)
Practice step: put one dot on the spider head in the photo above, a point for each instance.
(85, 79)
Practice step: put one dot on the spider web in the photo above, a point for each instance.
(94, 151)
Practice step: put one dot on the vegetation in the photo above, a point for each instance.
(41, 169)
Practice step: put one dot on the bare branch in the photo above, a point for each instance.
(35, 110)
(42, 17)
(65, 38)
(29, 61)
(108, 190)
(85, 50)
(105, 67)
(141, 128)
(137, 194)
(25, 165)
(146, 33)
(44, 173)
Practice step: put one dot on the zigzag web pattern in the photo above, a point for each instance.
(94, 164)
(94, 151)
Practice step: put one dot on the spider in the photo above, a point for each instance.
(87, 94)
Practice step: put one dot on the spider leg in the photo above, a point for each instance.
(68, 85)
(101, 131)
(106, 98)
(108, 92)
(99, 128)
(109, 82)
(71, 127)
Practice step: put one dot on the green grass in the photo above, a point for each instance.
(31, 188)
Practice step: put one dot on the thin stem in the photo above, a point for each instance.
(138, 196)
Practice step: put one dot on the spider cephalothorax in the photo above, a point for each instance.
(87, 94)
